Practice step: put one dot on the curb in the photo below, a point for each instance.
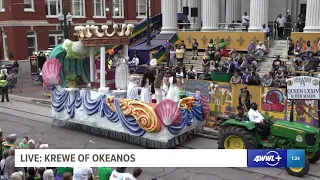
(210, 131)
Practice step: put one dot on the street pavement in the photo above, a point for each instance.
(25, 118)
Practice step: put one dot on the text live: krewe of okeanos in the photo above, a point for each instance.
(130, 158)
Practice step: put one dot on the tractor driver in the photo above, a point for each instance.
(259, 121)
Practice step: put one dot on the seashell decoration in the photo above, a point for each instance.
(51, 72)
(93, 31)
(168, 112)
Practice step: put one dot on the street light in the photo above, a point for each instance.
(148, 25)
(65, 21)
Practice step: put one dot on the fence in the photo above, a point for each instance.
(24, 78)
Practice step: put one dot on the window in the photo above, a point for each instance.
(118, 9)
(99, 8)
(32, 42)
(142, 8)
(55, 38)
(5, 45)
(78, 8)
(76, 37)
(53, 7)
(1, 5)
(28, 5)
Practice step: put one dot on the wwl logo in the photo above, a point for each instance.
(272, 158)
(267, 158)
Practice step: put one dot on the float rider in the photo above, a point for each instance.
(259, 121)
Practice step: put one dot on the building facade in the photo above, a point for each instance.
(32, 25)
(213, 12)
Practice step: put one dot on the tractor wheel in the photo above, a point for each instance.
(299, 172)
(235, 137)
(313, 157)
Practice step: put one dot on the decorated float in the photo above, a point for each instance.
(102, 111)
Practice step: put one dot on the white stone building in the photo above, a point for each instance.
(213, 12)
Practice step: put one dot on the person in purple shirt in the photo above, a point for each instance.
(251, 47)
(245, 76)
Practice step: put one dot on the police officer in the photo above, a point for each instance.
(4, 86)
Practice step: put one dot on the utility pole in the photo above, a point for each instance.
(148, 24)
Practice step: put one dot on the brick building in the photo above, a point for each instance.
(30, 25)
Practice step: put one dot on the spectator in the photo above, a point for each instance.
(280, 21)
(67, 176)
(254, 79)
(246, 76)
(179, 55)
(40, 172)
(61, 171)
(245, 20)
(82, 173)
(17, 176)
(301, 23)
(104, 173)
(10, 168)
(318, 49)
(191, 73)
(195, 48)
(307, 49)
(222, 44)
(265, 29)
(251, 47)
(168, 47)
(118, 174)
(153, 61)
(206, 63)
(311, 63)
(173, 61)
(211, 49)
(298, 49)
(235, 79)
(31, 174)
(244, 65)
(267, 79)
(276, 64)
(31, 144)
(136, 173)
(260, 50)
(231, 67)
(291, 47)
(183, 45)
(252, 60)
(48, 174)
(24, 143)
(3, 163)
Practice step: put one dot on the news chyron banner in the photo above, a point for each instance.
(130, 158)
(158, 158)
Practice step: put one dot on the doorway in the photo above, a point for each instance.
(303, 9)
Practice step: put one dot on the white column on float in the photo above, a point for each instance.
(103, 87)
(169, 16)
(313, 16)
(258, 14)
(92, 77)
(210, 15)
(126, 51)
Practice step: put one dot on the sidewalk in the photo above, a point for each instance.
(32, 92)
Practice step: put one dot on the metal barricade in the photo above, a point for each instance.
(24, 78)
(231, 27)
(187, 27)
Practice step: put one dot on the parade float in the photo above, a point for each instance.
(103, 112)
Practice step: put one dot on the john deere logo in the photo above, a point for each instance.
(315, 82)
(289, 83)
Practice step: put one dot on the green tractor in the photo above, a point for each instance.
(237, 132)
